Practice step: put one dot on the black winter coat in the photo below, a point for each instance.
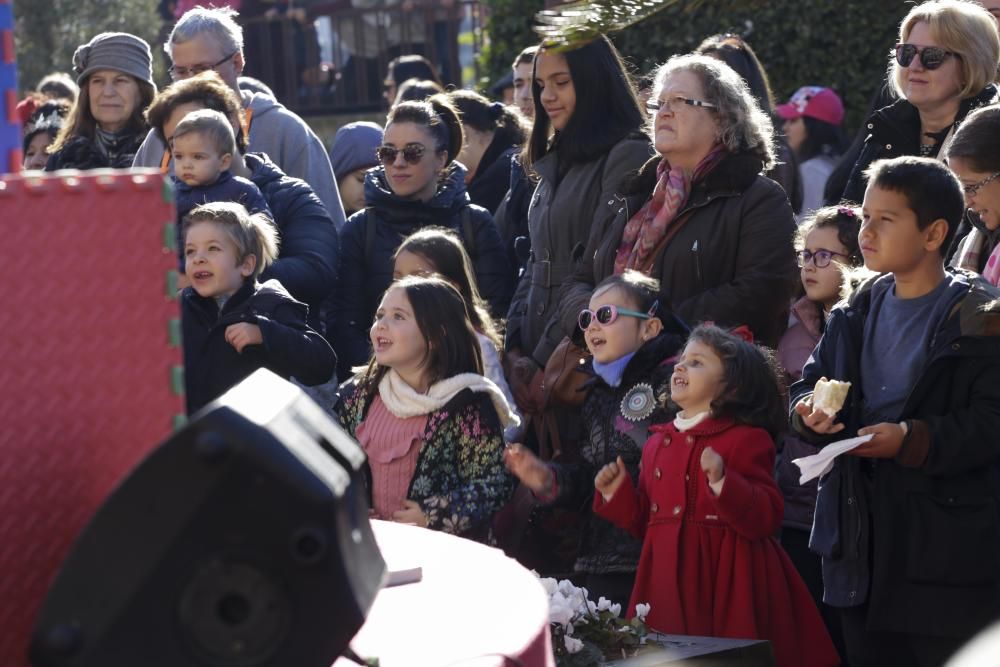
(211, 365)
(82, 153)
(309, 247)
(733, 261)
(612, 429)
(895, 130)
(363, 279)
(492, 180)
(918, 536)
(512, 217)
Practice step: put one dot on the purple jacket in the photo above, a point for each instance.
(795, 348)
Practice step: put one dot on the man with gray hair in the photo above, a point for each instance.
(210, 39)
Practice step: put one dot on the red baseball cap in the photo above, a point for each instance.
(816, 102)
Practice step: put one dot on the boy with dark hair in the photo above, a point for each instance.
(907, 523)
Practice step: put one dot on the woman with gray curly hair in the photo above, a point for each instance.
(700, 216)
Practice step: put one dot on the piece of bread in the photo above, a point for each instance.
(829, 395)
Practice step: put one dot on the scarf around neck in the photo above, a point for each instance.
(404, 401)
(647, 228)
(612, 371)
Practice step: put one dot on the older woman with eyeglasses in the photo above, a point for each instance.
(418, 184)
(106, 126)
(700, 216)
(942, 69)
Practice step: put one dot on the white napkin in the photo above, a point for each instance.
(818, 465)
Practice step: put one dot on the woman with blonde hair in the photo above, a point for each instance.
(942, 69)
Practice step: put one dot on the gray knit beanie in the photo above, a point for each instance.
(119, 51)
(354, 147)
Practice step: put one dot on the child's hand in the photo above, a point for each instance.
(610, 477)
(243, 334)
(817, 421)
(886, 444)
(411, 513)
(713, 465)
(528, 468)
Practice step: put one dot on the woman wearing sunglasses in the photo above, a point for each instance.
(700, 217)
(942, 69)
(974, 156)
(417, 184)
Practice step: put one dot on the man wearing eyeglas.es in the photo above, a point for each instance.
(943, 68)
(210, 39)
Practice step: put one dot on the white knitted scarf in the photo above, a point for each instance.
(404, 401)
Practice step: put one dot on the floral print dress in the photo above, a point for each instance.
(460, 479)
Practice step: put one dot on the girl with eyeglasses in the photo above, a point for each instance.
(417, 184)
(633, 339)
(942, 69)
(974, 156)
(827, 246)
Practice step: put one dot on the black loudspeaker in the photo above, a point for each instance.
(241, 541)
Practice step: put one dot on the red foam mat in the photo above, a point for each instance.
(89, 364)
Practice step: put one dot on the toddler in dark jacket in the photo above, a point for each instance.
(202, 147)
(232, 324)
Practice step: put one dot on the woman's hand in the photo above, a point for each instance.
(817, 421)
(528, 468)
(609, 478)
(411, 513)
(525, 379)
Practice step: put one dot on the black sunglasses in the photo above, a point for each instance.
(931, 57)
(412, 153)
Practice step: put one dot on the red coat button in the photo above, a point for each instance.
(690, 439)
(677, 510)
(654, 508)
(657, 473)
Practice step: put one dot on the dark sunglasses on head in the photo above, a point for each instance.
(931, 57)
(412, 153)
(609, 313)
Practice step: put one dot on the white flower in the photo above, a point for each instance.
(573, 645)
(549, 584)
(591, 606)
(567, 588)
(641, 611)
(616, 609)
(603, 604)
(559, 610)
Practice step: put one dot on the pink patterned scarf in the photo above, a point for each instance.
(647, 228)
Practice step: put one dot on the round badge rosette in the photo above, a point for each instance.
(638, 403)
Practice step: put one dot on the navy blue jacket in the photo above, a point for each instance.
(916, 537)
(309, 249)
(226, 188)
(363, 279)
(211, 365)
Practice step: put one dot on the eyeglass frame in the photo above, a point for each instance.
(615, 312)
(420, 149)
(919, 52)
(973, 190)
(655, 106)
(813, 259)
(195, 70)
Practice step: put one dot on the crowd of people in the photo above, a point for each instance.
(587, 326)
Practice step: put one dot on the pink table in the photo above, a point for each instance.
(473, 606)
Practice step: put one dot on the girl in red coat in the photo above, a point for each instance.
(708, 508)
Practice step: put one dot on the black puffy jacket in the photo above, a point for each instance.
(309, 247)
(365, 272)
(83, 153)
(290, 347)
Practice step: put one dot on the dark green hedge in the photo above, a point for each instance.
(843, 44)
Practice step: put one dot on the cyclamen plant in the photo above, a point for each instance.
(585, 632)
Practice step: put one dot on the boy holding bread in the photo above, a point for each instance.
(908, 523)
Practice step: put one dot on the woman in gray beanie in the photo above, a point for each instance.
(106, 126)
